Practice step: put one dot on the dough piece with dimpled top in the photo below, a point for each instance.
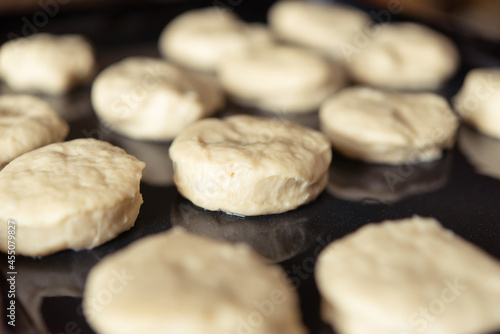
(73, 195)
(388, 127)
(47, 63)
(177, 282)
(27, 123)
(408, 276)
(249, 165)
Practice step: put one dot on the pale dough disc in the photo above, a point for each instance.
(321, 26)
(27, 123)
(281, 79)
(250, 166)
(176, 282)
(478, 102)
(407, 277)
(73, 195)
(388, 127)
(202, 39)
(404, 56)
(150, 99)
(46, 63)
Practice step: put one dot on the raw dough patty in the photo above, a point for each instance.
(384, 127)
(202, 39)
(73, 195)
(27, 123)
(409, 276)
(281, 79)
(46, 63)
(405, 56)
(320, 26)
(147, 98)
(176, 282)
(478, 102)
(249, 165)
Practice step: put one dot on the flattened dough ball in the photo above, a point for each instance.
(202, 39)
(321, 26)
(27, 123)
(408, 276)
(73, 195)
(478, 102)
(388, 127)
(281, 79)
(150, 99)
(404, 56)
(250, 165)
(46, 63)
(176, 282)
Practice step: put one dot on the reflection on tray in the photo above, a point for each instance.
(356, 181)
(483, 152)
(275, 237)
(159, 169)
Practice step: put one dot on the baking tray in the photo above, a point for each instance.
(451, 190)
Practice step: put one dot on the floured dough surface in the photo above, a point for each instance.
(47, 63)
(250, 166)
(281, 79)
(27, 123)
(388, 127)
(408, 276)
(202, 39)
(321, 26)
(150, 99)
(176, 282)
(405, 56)
(73, 195)
(479, 99)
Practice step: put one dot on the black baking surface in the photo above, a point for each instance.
(49, 289)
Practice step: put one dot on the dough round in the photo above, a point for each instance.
(46, 63)
(479, 99)
(150, 99)
(249, 165)
(202, 39)
(73, 195)
(408, 276)
(481, 151)
(404, 56)
(388, 127)
(176, 282)
(27, 123)
(321, 26)
(283, 79)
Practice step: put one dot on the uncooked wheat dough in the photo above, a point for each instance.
(478, 102)
(27, 123)
(404, 56)
(73, 195)
(249, 165)
(409, 276)
(388, 127)
(150, 99)
(176, 282)
(281, 79)
(321, 26)
(47, 63)
(202, 39)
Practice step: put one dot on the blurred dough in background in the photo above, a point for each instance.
(321, 26)
(203, 39)
(404, 56)
(388, 127)
(281, 79)
(46, 63)
(150, 99)
(478, 101)
(481, 151)
(27, 123)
